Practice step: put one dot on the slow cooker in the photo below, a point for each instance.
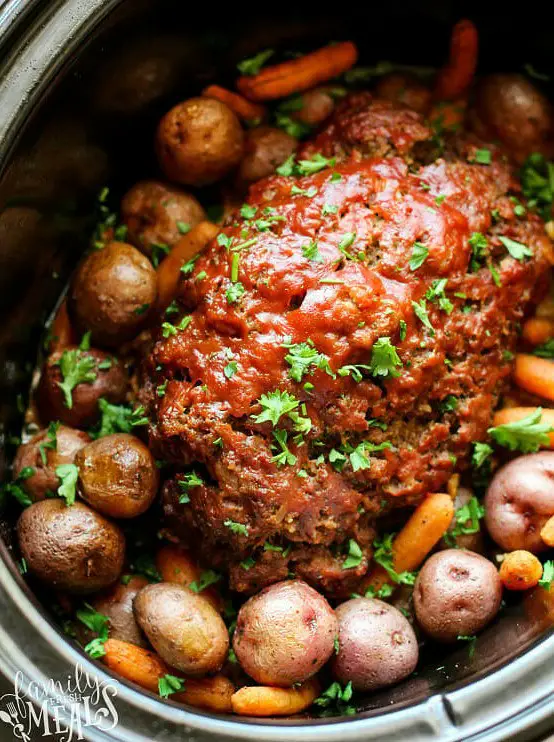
(82, 83)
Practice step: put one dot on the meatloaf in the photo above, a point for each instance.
(340, 346)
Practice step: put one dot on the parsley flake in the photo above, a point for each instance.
(526, 435)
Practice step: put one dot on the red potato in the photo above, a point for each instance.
(316, 106)
(78, 405)
(457, 593)
(519, 502)
(265, 148)
(44, 453)
(405, 89)
(377, 645)
(117, 605)
(285, 634)
(199, 141)
(158, 214)
(509, 108)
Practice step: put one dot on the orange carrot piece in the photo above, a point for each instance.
(245, 109)
(545, 308)
(423, 529)
(535, 375)
(139, 665)
(547, 532)
(61, 331)
(187, 247)
(296, 75)
(537, 330)
(146, 668)
(520, 570)
(176, 565)
(264, 700)
(456, 77)
(513, 414)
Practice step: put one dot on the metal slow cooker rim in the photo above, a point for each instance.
(491, 708)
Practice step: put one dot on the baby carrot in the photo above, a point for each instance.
(456, 77)
(245, 109)
(535, 375)
(296, 75)
(520, 570)
(426, 525)
(538, 330)
(268, 701)
(547, 532)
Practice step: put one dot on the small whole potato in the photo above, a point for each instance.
(77, 406)
(457, 593)
(377, 645)
(117, 475)
(183, 627)
(199, 141)
(285, 634)
(44, 453)
(70, 548)
(112, 292)
(117, 605)
(265, 149)
(519, 501)
(509, 108)
(316, 105)
(404, 89)
(158, 214)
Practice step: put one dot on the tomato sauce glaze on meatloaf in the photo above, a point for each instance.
(375, 302)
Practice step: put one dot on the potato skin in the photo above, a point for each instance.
(317, 105)
(509, 108)
(183, 627)
(111, 292)
(110, 383)
(457, 593)
(404, 89)
(199, 141)
(117, 475)
(377, 645)
(70, 548)
(285, 634)
(45, 479)
(117, 604)
(265, 149)
(152, 210)
(519, 501)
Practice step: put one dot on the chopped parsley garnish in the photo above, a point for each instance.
(537, 181)
(403, 329)
(248, 563)
(247, 211)
(145, 565)
(315, 164)
(293, 127)
(76, 368)
(466, 520)
(526, 435)
(383, 555)
(354, 557)
(68, 475)
(287, 168)
(15, 490)
(303, 358)
(98, 623)
(478, 244)
(471, 643)
(169, 330)
(188, 267)
(329, 209)
(183, 227)
(355, 371)
(439, 200)
(483, 156)
(448, 404)
(385, 591)
(346, 242)
(546, 350)
(384, 359)
(207, 578)
(118, 419)
(547, 575)
(159, 251)
(436, 294)
(234, 292)
(230, 369)
(235, 267)
(188, 482)
(50, 442)
(274, 405)
(308, 192)
(311, 252)
(253, 65)
(481, 454)
(238, 528)
(420, 254)
(284, 456)
(335, 701)
(170, 684)
(162, 388)
(517, 250)
(420, 309)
